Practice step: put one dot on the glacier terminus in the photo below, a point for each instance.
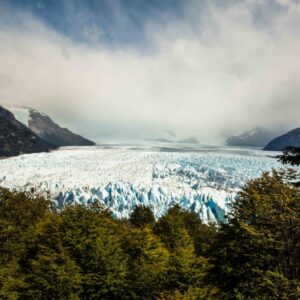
(202, 180)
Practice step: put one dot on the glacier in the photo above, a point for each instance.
(204, 180)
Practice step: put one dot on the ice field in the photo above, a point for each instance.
(203, 180)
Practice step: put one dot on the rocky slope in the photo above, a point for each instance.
(15, 138)
(290, 139)
(47, 129)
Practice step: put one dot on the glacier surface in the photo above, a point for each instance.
(120, 177)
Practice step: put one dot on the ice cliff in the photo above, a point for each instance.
(205, 182)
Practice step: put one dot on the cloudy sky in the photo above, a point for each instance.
(203, 68)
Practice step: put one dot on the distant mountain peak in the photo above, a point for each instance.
(42, 125)
(256, 137)
(289, 139)
(16, 138)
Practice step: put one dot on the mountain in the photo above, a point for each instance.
(257, 137)
(15, 138)
(47, 129)
(291, 138)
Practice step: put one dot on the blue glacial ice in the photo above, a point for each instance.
(205, 182)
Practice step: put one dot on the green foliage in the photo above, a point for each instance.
(205, 293)
(177, 229)
(49, 271)
(19, 213)
(91, 236)
(291, 155)
(142, 216)
(257, 253)
(147, 264)
(11, 280)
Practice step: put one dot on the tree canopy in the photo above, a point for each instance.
(291, 155)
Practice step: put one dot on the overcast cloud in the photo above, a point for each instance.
(219, 69)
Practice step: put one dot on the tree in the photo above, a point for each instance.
(257, 253)
(201, 234)
(11, 280)
(92, 238)
(19, 214)
(204, 293)
(49, 271)
(142, 216)
(186, 268)
(291, 155)
(147, 264)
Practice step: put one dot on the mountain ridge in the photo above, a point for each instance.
(48, 130)
(256, 137)
(289, 139)
(16, 138)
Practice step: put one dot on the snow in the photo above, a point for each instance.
(21, 113)
(204, 181)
